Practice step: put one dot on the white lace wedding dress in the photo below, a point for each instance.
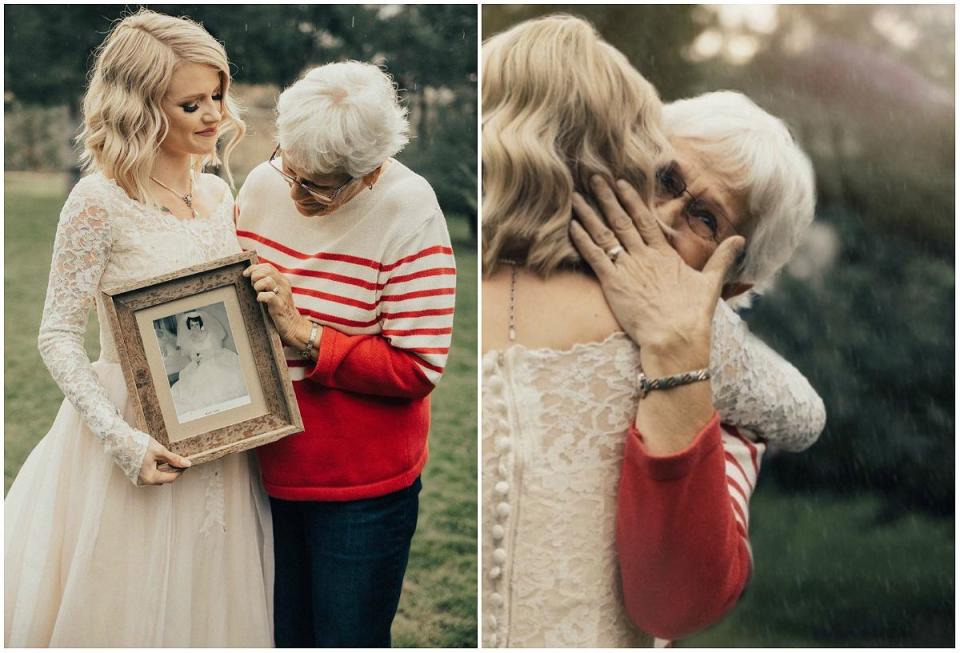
(554, 428)
(90, 558)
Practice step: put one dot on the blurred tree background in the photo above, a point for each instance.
(854, 539)
(431, 52)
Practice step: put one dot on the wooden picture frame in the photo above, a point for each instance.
(221, 385)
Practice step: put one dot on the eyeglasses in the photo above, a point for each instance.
(701, 219)
(321, 194)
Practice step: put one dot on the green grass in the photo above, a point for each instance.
(831, 572)
(438, 605)
(31, 208)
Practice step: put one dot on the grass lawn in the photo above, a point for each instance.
(828, 572)
(439, 605)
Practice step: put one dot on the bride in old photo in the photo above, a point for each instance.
(213, 377)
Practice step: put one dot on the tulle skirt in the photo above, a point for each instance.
(92, 560)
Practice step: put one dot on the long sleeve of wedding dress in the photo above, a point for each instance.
(756, 389)
(80, 254)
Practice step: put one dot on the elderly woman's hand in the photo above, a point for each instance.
(664, 305)
(274, 291)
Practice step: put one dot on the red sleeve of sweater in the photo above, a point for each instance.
(416, 306)
(684, 559)
(368, 364)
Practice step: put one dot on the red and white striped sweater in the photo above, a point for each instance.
(379, 274)
(682, 530)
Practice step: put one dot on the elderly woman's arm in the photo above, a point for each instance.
(416, 305)
(682, 503)
(683, 552)
(416, 321)
(682, 530)
(415, 309)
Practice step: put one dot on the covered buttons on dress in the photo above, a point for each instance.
(496, 409)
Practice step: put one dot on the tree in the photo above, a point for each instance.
(49, 51)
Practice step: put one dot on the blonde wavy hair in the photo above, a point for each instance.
(559, 106)
(123, 122)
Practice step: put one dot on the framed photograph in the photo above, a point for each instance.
(203, 361)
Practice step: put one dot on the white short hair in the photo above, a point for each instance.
(341, 117)
(756, 154)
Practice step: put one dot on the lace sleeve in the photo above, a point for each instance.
(755, 388)
(80, 254)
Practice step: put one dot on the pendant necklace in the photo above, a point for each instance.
(186, 199)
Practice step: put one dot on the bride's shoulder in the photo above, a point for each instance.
(558, 312)
(92, 195)
(93, 185)
(214, 187)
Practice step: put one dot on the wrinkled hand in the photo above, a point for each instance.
(274, 291)
(664, 305)
(157, 455)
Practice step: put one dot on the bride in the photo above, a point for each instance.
(615, 512)
(213, 375)
(92, 558)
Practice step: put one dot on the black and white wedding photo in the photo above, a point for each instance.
(201, 361)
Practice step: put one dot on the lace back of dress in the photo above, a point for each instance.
(553, 433)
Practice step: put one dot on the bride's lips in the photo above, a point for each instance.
(207, 132)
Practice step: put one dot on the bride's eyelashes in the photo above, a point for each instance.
(190, 108)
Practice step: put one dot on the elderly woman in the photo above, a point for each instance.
(358, 275)
(735, 171)
(573, 550)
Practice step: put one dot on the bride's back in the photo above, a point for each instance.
(554, 313)
(556, 404)
(559, 106)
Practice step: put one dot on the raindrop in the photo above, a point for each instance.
(353, 20)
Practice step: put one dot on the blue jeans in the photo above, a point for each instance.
(339, 568)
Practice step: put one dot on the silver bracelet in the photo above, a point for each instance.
(308, 352)
(667, 382)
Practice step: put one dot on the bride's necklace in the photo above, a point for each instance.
(511, 312)
(186, 198)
